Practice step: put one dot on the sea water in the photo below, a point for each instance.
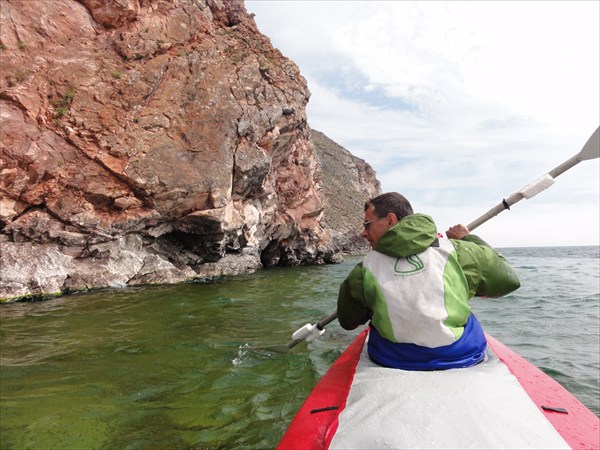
(177, 366)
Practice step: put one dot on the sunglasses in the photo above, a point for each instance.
(367, 224)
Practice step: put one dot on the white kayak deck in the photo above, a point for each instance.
(479, 407)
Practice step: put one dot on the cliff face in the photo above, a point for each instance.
(347, 183)
(149, 141)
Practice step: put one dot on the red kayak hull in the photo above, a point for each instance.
(317, 420)
(578, 426)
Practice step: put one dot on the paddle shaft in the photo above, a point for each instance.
(590, 150)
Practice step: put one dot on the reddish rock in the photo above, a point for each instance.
(149, 141)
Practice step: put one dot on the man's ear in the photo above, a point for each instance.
(391, 219)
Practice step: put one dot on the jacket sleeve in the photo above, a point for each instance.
(488, 273)
(351, 307)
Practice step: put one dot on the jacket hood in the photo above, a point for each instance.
(411, 235)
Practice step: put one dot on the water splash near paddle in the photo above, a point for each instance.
(242, 352)
(247, 354)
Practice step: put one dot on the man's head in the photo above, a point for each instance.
(383, 212)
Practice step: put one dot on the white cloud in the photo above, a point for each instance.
(458, 104)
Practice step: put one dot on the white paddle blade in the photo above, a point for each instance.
(591, 149)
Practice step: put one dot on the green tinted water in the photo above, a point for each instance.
(162, 367)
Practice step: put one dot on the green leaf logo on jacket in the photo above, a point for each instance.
(408, 266)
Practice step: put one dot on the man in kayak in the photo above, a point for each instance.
(415, 288)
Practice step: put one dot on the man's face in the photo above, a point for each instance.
(376, 227)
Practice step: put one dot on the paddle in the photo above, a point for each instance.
(308, 332)
(590, 150)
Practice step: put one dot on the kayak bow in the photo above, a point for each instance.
(504, 402)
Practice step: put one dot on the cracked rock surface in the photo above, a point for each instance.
(150, 141)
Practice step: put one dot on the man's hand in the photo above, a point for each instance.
(457, 232)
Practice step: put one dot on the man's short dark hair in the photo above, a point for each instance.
(390, 202)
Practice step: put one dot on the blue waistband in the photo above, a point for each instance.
(465, 352)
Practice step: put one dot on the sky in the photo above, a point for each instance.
(457, 105)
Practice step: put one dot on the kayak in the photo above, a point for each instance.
(502, 402)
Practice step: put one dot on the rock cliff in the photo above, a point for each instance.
(347, 182)
(150, 141)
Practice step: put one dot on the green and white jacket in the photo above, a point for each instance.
(415, 287)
